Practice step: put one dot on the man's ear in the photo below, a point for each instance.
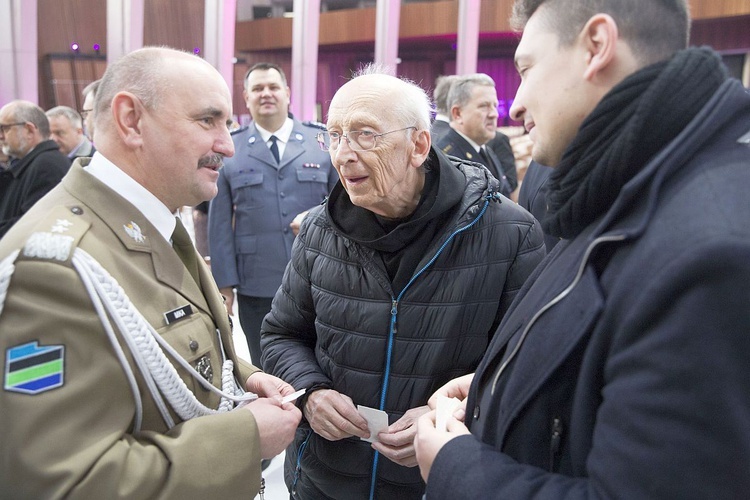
(599, 37)
(127, 111)
(30, 128)
(421, 147)
(455, 113)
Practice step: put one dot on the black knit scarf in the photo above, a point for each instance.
(632, 123)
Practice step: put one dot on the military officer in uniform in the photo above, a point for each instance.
(119, 375)
(472, 101)
(276, 175)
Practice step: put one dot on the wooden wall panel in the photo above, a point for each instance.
(428, 19)
(418, 20)
(178, 24)
(706, 9)
(61, 22)
(263, 34)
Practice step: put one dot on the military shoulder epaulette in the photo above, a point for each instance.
(56, 235)
(238, 130)
(310, 123)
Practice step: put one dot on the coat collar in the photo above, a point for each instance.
(44, 146)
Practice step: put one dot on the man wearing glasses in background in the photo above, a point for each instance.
(37, 165)
(395, 285)
(87, 113)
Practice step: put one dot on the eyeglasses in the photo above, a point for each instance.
(85, 113)
(358, 140)
(4, 128)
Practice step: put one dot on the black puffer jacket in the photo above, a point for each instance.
(336, 323)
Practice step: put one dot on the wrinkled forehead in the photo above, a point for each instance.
(364, 101)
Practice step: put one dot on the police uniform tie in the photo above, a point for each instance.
(275, 148)
(185, 250)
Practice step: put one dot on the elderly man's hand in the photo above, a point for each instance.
(429, 441)
(397, 442)
(333, 415)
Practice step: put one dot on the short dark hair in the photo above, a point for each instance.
(265, 66)
(655, 29)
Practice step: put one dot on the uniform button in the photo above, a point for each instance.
(476, 412)
(193, 345)
(281, 177)
(285, 230)
(76, 210)
(284, 213)
(281, 194)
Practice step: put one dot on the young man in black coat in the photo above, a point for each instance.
(620, 371)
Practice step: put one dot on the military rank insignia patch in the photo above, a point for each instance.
(32, 369)
(134, 231)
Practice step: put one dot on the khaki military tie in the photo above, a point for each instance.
(184, 248)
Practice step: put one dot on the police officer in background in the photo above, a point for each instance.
(277, 173)
(472, 101)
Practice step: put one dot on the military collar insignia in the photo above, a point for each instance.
(299, 136)
(134, 231)
(33, 369)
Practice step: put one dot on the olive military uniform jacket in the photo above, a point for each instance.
(68, 415)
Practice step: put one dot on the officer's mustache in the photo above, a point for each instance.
(215, 161)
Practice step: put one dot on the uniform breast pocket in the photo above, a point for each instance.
(195, 342)
(314, 183)
(247, 188)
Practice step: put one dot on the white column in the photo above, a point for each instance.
(124, 27)
(218, 44)
(467, 48)
(305, 29)
(388, 16)
(19, 56)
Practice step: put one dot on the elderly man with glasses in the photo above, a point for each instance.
(36, 166)
(396, 284)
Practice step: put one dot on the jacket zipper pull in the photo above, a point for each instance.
(554, 448)
(262, 488)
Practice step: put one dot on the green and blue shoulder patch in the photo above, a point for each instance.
(32, 369)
